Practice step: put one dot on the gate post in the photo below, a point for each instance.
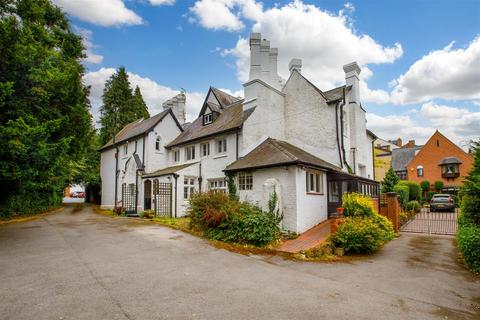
(392, 209)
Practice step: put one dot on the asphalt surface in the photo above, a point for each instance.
(80, 265)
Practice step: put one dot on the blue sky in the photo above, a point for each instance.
(413, 82)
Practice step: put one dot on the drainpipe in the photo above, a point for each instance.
(236, 145)
(200, 177)
(176, 194)
(116, 176)
(338, 138)
(136, 182)
(341, 133)
(373, 157)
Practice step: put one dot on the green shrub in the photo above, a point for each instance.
(363, 235)
(470, 208)
(403, 194)
(356, 204)
(430, 195)
(413, 206)
(224, 218)
(384, 224)
(468, 242)
(415, 191)
(425, 185)
(438, 185)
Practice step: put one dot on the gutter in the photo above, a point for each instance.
(202, 137)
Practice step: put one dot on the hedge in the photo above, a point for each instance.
(415, 190)
(468, 242)
(403, 194)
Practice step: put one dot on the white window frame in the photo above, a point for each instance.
(221, 146)
(125, 149)
(217, 185)
(190, 153)
(203, 149)
(421, 170)
(314, 182)
(245, 181)
(188, 187)
(208, 118)
(176, 155)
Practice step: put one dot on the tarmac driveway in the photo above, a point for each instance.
(79, 265)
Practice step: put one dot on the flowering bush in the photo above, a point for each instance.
(356, 204)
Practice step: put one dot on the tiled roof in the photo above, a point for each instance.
(272, 152)
(136, 128)
(402, 156)
(230, 119)
(224, 98)
(167, 171)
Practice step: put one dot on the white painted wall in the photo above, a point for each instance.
(268, 117)
(287, 178)
(107, 173)
(312, 208)
(309, 121)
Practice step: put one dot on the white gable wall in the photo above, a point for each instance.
(107, 173)
(309, 121)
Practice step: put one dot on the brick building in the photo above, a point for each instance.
(440, 160)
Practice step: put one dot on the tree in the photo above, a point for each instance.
(390, 180)
(425, 185)
(470, 190)
(116, 110)
(44, 109)
(438, 185)
(120, 107)
(140, 105)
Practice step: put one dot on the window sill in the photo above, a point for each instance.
(316, 193)
(220, 156)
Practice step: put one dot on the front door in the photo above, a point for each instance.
(147, 190)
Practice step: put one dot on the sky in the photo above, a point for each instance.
(420, 59)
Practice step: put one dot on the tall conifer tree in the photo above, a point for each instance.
(140, 105)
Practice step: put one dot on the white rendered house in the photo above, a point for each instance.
(308, 145)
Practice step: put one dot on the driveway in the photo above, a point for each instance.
(79, 265)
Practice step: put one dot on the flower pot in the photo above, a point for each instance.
(340, 211)
(339, 252)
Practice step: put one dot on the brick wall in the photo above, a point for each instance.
(437, 148)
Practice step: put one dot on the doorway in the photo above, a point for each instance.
(147, 191)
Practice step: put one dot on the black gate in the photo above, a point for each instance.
(128, 198)
(162, 197)
(432, 222)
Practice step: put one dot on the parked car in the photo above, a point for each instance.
(442, 202)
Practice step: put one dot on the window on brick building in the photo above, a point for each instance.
(419, 171)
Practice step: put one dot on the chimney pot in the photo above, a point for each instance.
(295, 64)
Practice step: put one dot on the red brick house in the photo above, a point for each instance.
(440, 160)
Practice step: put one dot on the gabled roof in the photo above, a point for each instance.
(224, 100)
(230, 119)
(402, 156)
(272, 153)
(138, 128)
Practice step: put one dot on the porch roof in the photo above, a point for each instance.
(273, 153)
(167, 171)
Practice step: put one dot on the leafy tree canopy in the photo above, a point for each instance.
(45, 124)
(120, 106)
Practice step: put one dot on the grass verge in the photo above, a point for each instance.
(32, 217)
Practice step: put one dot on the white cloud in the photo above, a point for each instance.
(458, 124)
(89, 46)
(153, 93)
(161, 2)
(451, 74)
(225, 14)
(104, 12)
(325, 41)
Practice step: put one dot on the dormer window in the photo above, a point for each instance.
(450, 167)
(207, 118)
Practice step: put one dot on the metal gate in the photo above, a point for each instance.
(128, 198)
(432, 222)
(162, 197)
